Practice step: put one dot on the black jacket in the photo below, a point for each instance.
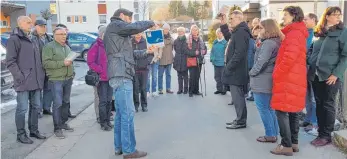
(236, 71)
(24, 62)
(120, 53)
(35, 38)
(142, 63)
(181, 51)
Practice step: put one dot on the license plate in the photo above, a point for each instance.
(8, 79)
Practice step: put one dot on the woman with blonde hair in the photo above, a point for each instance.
(196, 52)
(261, 76)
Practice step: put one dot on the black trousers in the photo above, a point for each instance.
(105, 101)
(140, 84)
(194, 76)
(289, 127)
(325, 96)
(238, 97)
(218, 73)
(182, 80)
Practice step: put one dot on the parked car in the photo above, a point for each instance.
(94, 33)
(6, 76)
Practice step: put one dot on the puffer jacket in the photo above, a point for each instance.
(97, 59)
(181, 50)
(120, 53)
(289, 76)
(217, 52)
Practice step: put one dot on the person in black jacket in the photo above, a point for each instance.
(24, 62)
(180, 60)
(141, 73)
(236, 72)
(40, 38)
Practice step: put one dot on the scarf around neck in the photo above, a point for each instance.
(200, 41)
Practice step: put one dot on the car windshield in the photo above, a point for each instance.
(3, 52)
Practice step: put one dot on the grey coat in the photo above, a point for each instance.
(118, 46)
(167, 55)
(264, 63)
(23, 60)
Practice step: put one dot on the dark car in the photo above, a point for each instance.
(6, 76)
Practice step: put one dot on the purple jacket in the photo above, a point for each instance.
(95, 64)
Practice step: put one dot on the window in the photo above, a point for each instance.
(68, 19)
(102, 1)
(4, 23)
(136, 10)
(102, 19)
(84, 19)
(136, 17)
(77, 37)
(136, 4)
(77, 19)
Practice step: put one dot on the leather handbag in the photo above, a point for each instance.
(92, 78)
(192, 62)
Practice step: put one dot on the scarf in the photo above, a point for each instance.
(201, 45)
(166, 36)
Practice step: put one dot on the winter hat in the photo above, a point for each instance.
(166, 26)
(102, 30)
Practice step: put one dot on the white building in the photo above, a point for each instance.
(87, 15)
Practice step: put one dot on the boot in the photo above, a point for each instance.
(70, 115)
(281, 150)
(295, 147)
(23, 138)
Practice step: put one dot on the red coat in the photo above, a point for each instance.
(289, 76)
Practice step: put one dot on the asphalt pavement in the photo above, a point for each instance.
(81, 98)
(178, 127)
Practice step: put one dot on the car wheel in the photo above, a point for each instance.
(85, 55)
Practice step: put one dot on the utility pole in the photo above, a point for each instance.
(345, 14)
(315, 6)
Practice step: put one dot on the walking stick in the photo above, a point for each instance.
(200, 77)
(205, 77)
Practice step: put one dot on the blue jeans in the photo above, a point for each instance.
(311, 116)
(267, 114)
(23, 100)
(153, 71)
(46, 99)
(124, 133)
(61, 91)
(167, 70)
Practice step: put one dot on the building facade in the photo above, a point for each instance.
(86, 16)
(10, 11)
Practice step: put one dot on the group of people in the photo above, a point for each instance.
(284, 69)
(42, 76)
(299, 63)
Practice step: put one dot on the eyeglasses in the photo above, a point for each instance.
(62, 34)
(336, 14)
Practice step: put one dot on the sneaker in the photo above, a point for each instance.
(161, 92)
(155, 94)
(105, 127)
(313, 131)
(59, 134)
(169, 91)
(67, 128)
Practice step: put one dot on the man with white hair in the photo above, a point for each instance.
(236, 71)
(24, 62)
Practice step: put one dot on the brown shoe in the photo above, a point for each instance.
(321, 142)
(295, 147)
(280, 150)
(136, 154)
(271, 139)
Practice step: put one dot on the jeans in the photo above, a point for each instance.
(96, 102)
(47, 99)
(289, 128)
(61, 91)
(194, 76)
(140, 82)
(167, 70)
(238, 96)
(325, 96)
(218, 70)
(154, 73)
(267, 114)
(311, 116)
(27, 99)
(105, 101)
(182, 80)
(124, 133)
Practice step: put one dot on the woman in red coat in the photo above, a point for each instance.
(289, 80)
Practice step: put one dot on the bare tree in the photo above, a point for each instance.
(143, 8)
(46, 14)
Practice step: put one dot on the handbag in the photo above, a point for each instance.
(92, 78)
(192, 62)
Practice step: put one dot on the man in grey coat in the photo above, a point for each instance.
(24, 62)
(121, 72)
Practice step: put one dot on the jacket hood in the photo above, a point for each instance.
(244, 26)
(19, 32)
(100, 42)
(299, 26)
(223, 41)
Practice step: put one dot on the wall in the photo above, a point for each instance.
(8, 20)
